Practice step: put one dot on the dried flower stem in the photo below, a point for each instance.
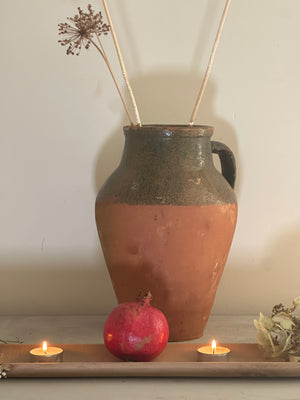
(209, 66)
(122, 65)
(103, 54)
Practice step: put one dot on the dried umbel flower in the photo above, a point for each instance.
(82, 30)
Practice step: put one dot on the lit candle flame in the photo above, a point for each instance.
(45, 347)
(213, 346)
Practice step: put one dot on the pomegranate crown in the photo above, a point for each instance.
(144, 297)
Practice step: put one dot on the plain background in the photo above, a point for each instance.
(61, 136)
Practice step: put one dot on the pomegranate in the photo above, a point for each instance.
(136, 331)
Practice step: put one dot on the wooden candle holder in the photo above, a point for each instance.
(177, 360)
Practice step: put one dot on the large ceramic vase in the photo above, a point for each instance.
(166, 219)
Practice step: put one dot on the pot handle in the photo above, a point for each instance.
(227, 161)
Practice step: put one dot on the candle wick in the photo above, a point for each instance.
(214, 350)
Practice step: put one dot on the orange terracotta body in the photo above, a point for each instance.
(165, 249)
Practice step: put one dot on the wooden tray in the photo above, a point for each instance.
(177, 360)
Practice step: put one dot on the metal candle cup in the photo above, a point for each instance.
(213, 353)
(46, 354)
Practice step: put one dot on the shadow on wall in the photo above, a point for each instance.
(252, 283)
(72, 285)
(54, 285)
(167, 98)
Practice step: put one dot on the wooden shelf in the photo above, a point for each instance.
(177, 360)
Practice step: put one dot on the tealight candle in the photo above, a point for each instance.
(46, 354)
(213, 353)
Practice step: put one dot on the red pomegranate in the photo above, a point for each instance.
(136, 331)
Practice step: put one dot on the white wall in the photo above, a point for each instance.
(61, 135)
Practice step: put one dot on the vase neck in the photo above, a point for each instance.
(165, 147)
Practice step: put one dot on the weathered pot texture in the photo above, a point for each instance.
(166, 218)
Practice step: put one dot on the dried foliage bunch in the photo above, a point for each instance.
(279, 334)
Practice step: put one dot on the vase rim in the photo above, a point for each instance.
(168, 130)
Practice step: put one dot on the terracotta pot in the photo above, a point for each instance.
(166, 219)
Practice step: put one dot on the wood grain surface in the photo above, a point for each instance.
(177, 360)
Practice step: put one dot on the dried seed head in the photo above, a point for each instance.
(79, 32)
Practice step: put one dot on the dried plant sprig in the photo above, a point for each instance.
(210, 63)
(279, 334)
(81, 32)
(17, 341)
(122, 65)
